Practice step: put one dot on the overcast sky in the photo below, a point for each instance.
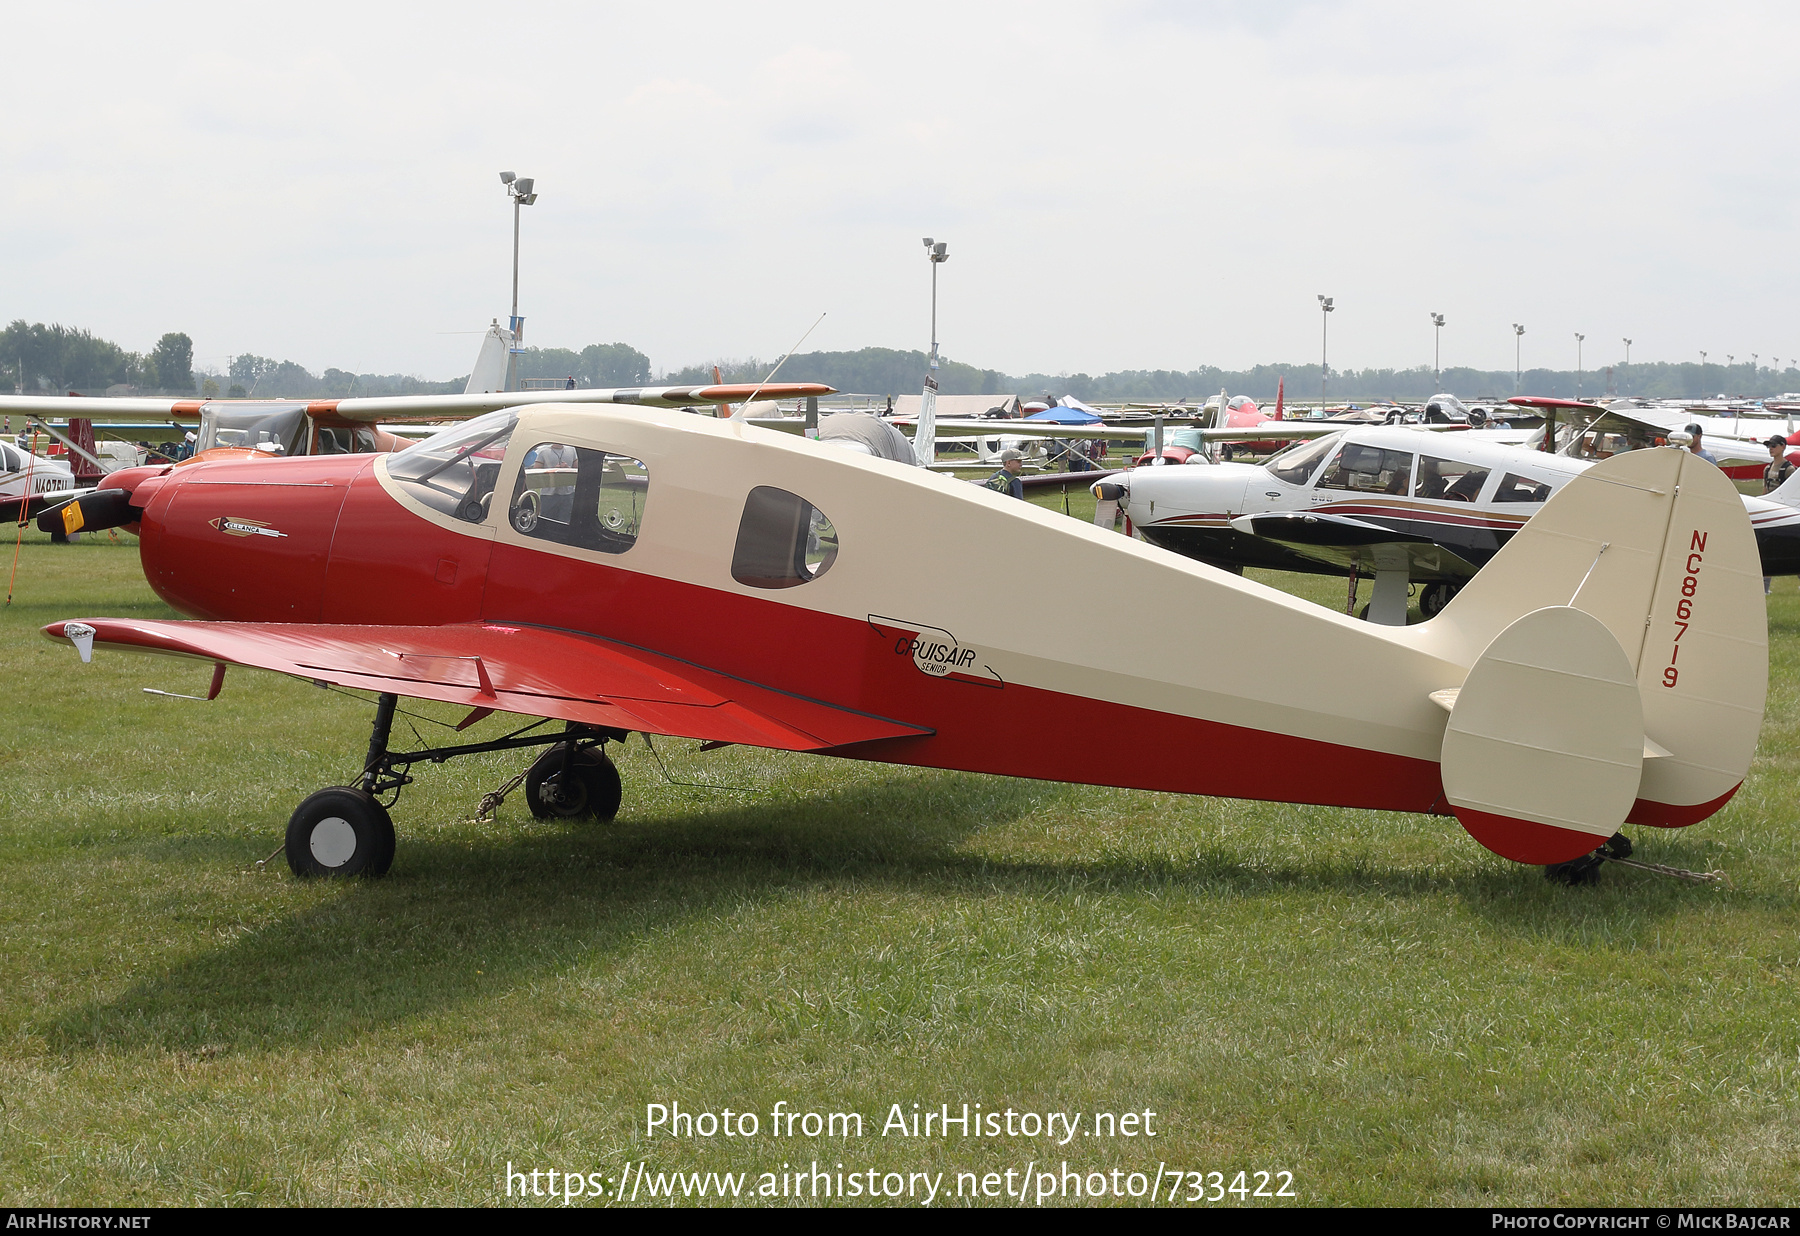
(1149, 185)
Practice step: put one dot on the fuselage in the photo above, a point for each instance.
(980, 649)
(823, 574)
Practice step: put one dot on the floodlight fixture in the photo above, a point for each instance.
(506, 178)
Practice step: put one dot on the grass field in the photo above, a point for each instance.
(1371, 1002)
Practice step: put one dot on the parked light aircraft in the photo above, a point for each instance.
(1395, 504)
(710, 579)
(29, 482)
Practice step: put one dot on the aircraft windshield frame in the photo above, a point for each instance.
(1322, 447)
(476, 433)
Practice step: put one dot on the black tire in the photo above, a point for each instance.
(582, 786)
(341, 831)
(1434, 597)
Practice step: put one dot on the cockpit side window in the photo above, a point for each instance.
(783, 541)
(1516, 488)
(276, 428)
(580, 496)
(454, 471)
(1369, 469)
(1295, 465)
(1448, 480)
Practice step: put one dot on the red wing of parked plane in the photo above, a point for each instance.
(579, 678)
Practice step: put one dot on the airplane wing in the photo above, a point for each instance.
(507, 668)
(404, 407)
(1355, 544)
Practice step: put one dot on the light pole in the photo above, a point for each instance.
(1578, 338)
(1325, 308)
(925, 433)
(1437, 338)
(520, 191)
(1627, 352)
(1518, 338)
(936, 253)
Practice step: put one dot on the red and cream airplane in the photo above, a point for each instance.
(638, 567)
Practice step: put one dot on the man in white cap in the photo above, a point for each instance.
(1006, 481)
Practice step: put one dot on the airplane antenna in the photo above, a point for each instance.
(781, 362)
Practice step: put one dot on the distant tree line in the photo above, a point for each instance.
(261, 377)
(597, 365)
(36, 357)
(870, 371)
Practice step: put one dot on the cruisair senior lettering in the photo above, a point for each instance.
(935, 652)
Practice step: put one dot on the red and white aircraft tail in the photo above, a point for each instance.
(1618, 654)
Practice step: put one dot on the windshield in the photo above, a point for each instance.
(279, 428)
(454, 470)
(1296, 464)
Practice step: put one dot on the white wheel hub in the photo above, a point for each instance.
(333, 841)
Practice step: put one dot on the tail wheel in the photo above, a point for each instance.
(573, 783)
(340, 831)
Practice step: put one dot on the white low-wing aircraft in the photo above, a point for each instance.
(29, 482)
(1395, 504)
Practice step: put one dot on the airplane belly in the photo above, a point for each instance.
(225, 545)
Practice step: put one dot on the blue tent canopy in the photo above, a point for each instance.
(1065, 416)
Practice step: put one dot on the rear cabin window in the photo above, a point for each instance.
(454, 471)
(1295, 465)
(783, 540)
(580, 496)
(1448, 479)
(1516, 488)
(1369, 469)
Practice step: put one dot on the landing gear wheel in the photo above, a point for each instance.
(340, 831)
(1586, 869)
(1434, 597)
(573, 784)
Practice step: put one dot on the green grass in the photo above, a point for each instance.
(1370, 1001)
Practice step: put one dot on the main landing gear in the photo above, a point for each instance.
(347, 831)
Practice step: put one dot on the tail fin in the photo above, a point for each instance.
(724, 411)
(489, 374)
(925, 433)
(1280, 393)
(1656, 546)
